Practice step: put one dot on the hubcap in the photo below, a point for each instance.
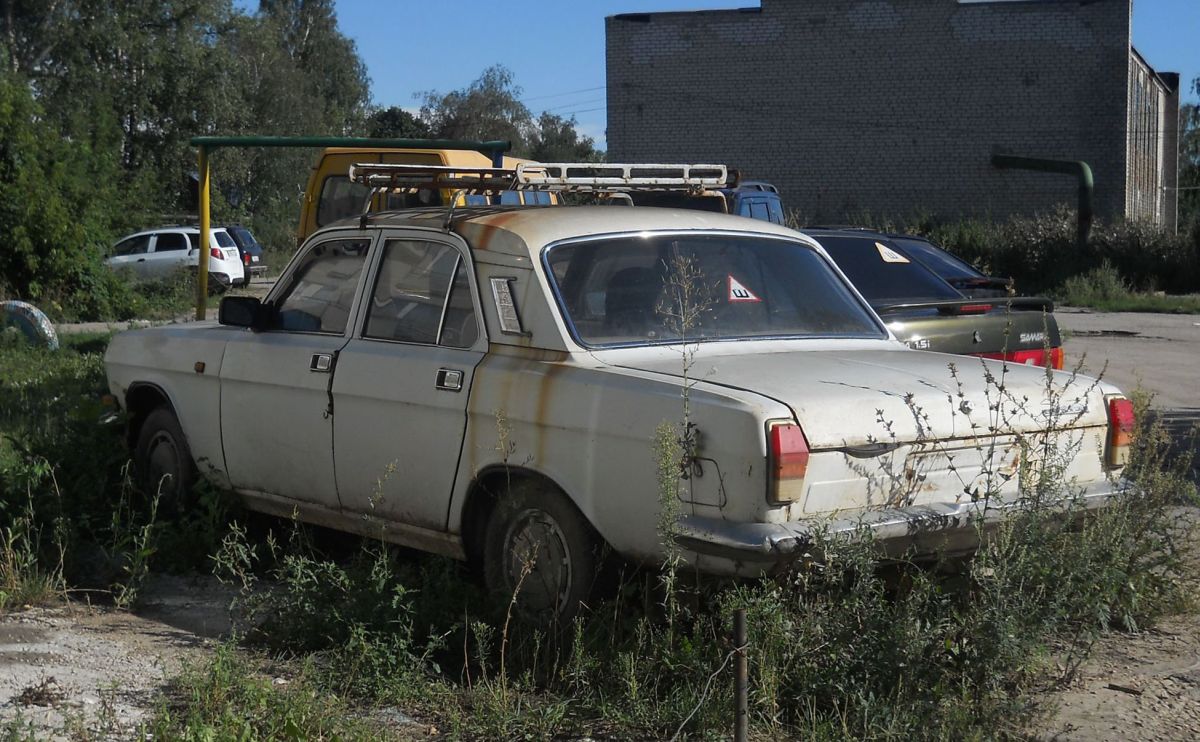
(538, 562)
(162, 466)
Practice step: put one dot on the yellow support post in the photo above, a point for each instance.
(202, 265)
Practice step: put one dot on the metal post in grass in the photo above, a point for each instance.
(202, 261)
(741, 678)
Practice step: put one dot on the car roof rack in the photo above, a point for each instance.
(561, 177)
(573, 177)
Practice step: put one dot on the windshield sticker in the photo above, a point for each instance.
(889, 255)
(739, 293)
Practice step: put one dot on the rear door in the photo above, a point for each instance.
(168, 254)
(276, 408)
(401, 387)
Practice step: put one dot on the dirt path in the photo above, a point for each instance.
(1143, 686)
(81, 672)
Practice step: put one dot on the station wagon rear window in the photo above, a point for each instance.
(637, 290)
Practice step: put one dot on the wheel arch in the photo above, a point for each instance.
(487, 487)
(140, 400)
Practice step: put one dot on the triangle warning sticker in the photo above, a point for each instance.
(739, 293)
(889, 255)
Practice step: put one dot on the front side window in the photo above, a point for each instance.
(422, 295)
(635, 290)
(133, 245)
(320, 293)
(340, 198)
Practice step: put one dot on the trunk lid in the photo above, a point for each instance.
(845, 398)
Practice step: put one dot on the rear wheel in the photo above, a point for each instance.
(163, 461)
(540, 549)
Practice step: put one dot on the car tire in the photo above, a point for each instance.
(163, 462)
(536, 525)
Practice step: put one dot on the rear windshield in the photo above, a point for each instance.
(243, 234)
(936, 259)
(639, 290)
(223, 239)
(883, 272)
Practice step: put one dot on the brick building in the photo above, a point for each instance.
(897, 106)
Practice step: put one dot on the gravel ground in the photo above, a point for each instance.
(1143, 686)
(84, 672)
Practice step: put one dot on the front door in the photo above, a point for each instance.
(276, 409)
(400, 391)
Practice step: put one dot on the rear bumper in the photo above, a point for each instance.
(922, 530)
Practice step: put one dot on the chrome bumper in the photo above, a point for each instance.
(919, 530)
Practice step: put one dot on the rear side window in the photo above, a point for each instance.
(422, 295)
(322, 288)
(170, 241)
(883, 272)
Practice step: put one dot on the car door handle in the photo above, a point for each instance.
(449, 379)
(321, 363)
(141, 260)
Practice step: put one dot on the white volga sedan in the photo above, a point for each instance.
(487, 384)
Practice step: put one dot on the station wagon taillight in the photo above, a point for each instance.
(1035, 357)
(787, 461)
(1120, 431)
(216, 253)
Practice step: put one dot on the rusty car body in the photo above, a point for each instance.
(479, 381)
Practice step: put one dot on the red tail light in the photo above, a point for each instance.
(1056, 358)
(787, 461)
(1120, 431)
(1035, 357)
(216, 253)
(974, 308)
(246, 258)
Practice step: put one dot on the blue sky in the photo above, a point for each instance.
(555, 48)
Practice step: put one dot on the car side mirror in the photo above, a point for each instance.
(241, 311)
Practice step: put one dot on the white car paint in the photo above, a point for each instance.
(374, 433)
(157, 253)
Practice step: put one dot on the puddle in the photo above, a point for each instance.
(1104, 333)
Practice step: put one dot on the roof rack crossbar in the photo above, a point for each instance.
(393, 175)
(581, 177)
(608, 176)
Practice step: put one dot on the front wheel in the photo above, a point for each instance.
(163, 461)
(541, 552)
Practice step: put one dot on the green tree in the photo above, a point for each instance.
(491, 108)
(395, 123)
(48, 213)
(1189, 163)
(555, 139)
(488, 108)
